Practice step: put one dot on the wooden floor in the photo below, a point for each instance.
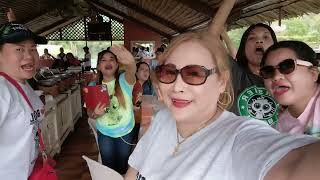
(70, 165)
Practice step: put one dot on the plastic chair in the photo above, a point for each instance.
(101, 172)
(92, 124)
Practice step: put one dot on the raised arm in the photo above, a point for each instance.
(10, 15)
(230, 47)
(300, 164)
(220, 18)
(125, 57)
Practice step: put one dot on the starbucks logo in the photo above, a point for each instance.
(255, 102)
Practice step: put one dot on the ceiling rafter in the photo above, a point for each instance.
(270, 7)
(150, 15)
(52, 26)
(236, 12)
(109, 14)
(62, 21)
(51, 5)
(199, 7)
(202, 8)
(28, 19)
(199, 25)
(210, 11)
(57, 26)
(105, 7)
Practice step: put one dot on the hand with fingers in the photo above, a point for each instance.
(10, 15)
(123, 55)
(98, 111)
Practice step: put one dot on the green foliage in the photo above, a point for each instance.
(235, 35)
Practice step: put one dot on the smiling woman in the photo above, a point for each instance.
(286, 67)
(195, 138)
(116, 121)
(18, 60)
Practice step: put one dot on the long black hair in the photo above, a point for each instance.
(147, 85)
(118, 91)
(241, 54)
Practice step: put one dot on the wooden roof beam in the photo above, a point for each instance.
(52, 5)
(105, 7)
(200, 7)
(210, 11)
(270, 7)
(109, 14)
(236, 12)
(150, 15)
(51, 26)
(59, 24)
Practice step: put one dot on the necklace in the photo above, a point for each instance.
(176, 149)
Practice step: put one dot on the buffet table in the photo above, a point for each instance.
(61, 114)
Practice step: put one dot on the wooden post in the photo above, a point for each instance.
(280, 16)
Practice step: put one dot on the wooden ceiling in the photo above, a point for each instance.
(166, 17)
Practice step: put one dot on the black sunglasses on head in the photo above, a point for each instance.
(191, 74)
(286, 66)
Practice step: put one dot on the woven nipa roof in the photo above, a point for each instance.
(166, 17)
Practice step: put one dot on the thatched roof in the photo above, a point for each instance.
(167, 17)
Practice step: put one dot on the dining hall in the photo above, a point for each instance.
(152, 90)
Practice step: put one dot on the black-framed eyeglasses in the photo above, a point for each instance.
(191, 74)
(286, 66)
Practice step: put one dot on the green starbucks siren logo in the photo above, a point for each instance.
(255, 102)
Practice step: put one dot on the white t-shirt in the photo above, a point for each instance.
(18, 127)
(87, 63)
(230, 148)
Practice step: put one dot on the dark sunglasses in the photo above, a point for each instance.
(286, 66)
(191, 74)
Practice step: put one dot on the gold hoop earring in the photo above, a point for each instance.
(224, 99)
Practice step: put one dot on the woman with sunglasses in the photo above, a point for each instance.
(252, 99)
(291, 75)
(195, 138)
